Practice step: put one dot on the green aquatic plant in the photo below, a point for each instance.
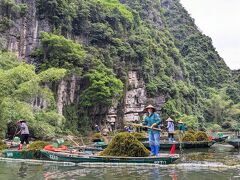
(201, 136)
(189, 137)
(37, 145)
(191, 131)
(125, 144)
(139, 135)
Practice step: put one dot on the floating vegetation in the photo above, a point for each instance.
(37, 145)
(125, 144)
(97, 136)
(191, 131)
(201, 136)
(139, 135)
(189, 137)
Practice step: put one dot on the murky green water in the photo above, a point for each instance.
(194, 165)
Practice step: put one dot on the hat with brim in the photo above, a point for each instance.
(20, 121)
(150, 107)
(180, 122)
(169, 119)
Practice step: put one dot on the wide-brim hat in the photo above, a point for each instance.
(150, 106)
(21, 120)
(180, 122)
(169, 119)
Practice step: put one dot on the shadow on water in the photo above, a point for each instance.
(198, 164)
(22, 172)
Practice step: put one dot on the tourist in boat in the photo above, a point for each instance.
(97, 129)
(127, 129)
(153, 120)
(24, 133)
(182, 129)
(170, 128)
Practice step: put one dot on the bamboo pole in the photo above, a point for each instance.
(140, 125)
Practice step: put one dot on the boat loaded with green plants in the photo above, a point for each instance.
(191, 139)
(77, 157)
(185, 145)
(124, 148)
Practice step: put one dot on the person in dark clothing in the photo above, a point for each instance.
(24, 133)
(182, 130)
(97, 129)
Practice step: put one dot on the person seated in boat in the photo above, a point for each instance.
(24, 133)
(127, 129)
(182, 129)
(153, 120)
(97, 129)
(170, 128)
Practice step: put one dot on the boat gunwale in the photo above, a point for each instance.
(163, 155)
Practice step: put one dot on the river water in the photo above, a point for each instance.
(201, 164)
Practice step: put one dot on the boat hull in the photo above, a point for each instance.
(21, 154)
(66, 157)
(234, 142)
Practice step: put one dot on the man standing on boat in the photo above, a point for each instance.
(153, 120)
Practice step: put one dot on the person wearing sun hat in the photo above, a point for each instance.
(153, 120)
(181, 128)
(170, 128)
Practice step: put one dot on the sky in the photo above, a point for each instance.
(219, 19)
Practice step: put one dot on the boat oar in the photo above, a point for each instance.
(140, 125)
(73, 141)
(81, 147)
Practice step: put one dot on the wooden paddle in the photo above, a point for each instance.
(140, 125)
(70, 138)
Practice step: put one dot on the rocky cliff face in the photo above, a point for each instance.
(23, 38)
(157, 43)
(136, 98)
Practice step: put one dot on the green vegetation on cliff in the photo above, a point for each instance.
(20, 89)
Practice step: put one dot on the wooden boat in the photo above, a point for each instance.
(220, 139)
(76, 158)
(80, 157)
(186, 145)
(16, 154)
(234, 142)
(197, 144)
(163, 145)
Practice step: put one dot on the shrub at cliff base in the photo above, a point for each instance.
(125, 144)
(188, 137)
(37, 145)
(201, 136)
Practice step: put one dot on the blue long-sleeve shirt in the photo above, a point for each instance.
(151, 119)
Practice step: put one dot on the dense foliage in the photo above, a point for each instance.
(20, 86)
(9, 11)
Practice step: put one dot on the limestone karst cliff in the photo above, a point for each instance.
(152, 47)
